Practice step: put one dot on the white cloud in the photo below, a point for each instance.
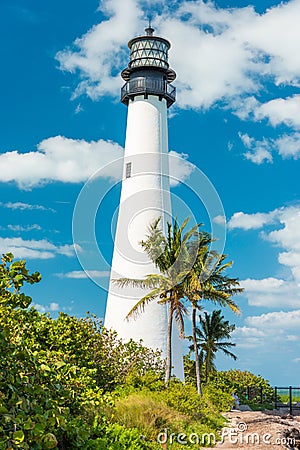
(78, 109)
(280, 111)
(81, 274)
(271, 292)
(67, 250)
(52, 307)
(25, 228)
(250, 221)
(286, 145)
(269, 332)
(180, 169)
(266, 284)
(24, 206)
(292, 338)
(73, 161)
(202, 84)
(101, 52)
(264, 44)
(35, 249)
(248, 337)
(59, 159)
(244, 107)
(259, 154)
(279, 320)
(219, 54)
(288, 236)
(220, 220)
(259, 151)
(284, 234)
(247, 140)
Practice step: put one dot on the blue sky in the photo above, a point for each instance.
(237, 119)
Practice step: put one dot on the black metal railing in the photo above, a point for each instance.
(287, 397)
(147, 86)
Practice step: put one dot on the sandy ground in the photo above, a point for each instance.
(258, 430)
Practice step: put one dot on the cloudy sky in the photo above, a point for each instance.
(237, 119)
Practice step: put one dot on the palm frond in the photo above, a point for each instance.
(133, 282)
(151, 281)
(178, 315)
(227, 353)
(139, 307)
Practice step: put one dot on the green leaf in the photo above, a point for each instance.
(3, 410)
(18, 436)
(29, 424)
(38, 429)
(50, 441)
(59, 364)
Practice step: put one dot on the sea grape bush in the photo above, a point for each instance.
(13, 275)
(239, 380)
(56, 375)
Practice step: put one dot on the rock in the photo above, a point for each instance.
(293, 438)
(245, 408)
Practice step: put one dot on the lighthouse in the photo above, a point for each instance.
(145, 193)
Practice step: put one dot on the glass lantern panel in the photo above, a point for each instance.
(149, 52)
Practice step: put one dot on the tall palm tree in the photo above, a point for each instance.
(171, 256)
(213, 335)
(188, 270)
(206, 281)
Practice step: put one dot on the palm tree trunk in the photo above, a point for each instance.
(207, 367)
(169, 346)
(198, 373)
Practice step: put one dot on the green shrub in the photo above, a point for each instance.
(239, 381)
(118, 437)
(183, 398)
(218, 400)
(56, 375)
(151, 380)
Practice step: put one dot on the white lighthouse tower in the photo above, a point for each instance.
(145, 194)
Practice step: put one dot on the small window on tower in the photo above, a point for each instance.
(128, 170)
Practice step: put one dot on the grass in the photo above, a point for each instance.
(286, 398)
(177, 410)
(148, 415)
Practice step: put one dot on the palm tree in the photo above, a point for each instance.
(212, 336)
(188, 270)
(206, 281)
(171, 256)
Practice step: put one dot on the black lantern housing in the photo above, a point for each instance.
(148, 72)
